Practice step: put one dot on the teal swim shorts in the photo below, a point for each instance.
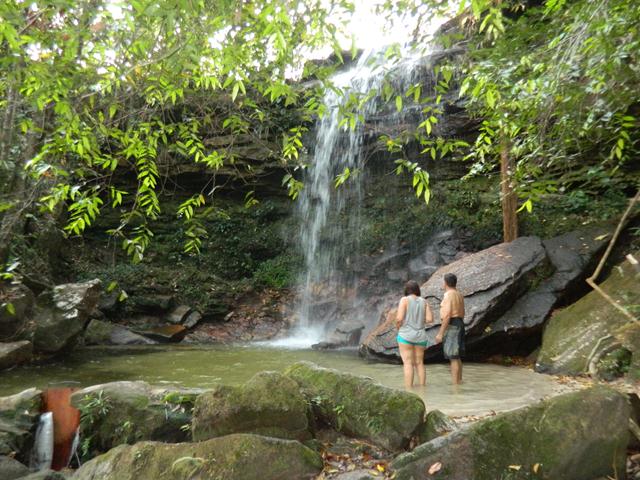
(407, 342)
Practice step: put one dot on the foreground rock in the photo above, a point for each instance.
(359, 407)
(127, 412)
(435, 425)
(62, 314)
(233, 457)
(15, 353)
(11, 469)
(577, 436)
(269, 404)
(18, 418)
(576, 336)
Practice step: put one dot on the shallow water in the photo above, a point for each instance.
(487, 387)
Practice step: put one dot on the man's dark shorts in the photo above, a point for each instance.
(453, 342)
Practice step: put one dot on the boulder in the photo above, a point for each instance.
(127, 412)
(151, 303)
(346, 334)
(11, 324)
(435, 425)
(233, 457)
(269, 404)
(61, 315)
(178, 314)
(578, 334)
(573, 256)
(100, 332)
(576, 436)
(519, 330)
(165, 333)
(11, 469)
(18, 419)
(490, 280)
(192, 319)
(358, 406)
(15, 353)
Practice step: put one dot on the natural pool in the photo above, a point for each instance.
(487, 387)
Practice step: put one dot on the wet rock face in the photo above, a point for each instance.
(359, 407)
(576, 436)
(576, 335)
(269, 404)
(127, 412)
(15, 353)
(62, 314)
(232, 457)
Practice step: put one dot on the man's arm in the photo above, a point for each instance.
(445, 316)
(402, 310)
(428, 314)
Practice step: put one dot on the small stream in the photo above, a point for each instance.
(487, 387)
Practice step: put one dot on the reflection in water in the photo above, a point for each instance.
(486, 388)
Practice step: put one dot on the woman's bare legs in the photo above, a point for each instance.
(418, 363)
(406, 353)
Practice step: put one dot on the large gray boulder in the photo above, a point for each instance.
(127, 412)
(15, 353)
(358, 406)
(576, 436)
(572, 257)
(233, 457)
(269, 404)
(576, 335)
(490, 280)
(61, 315)
(18, 419)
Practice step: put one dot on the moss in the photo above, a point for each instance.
(573, 436)
(268, 404)
(572, 333)
(359, 407)
(231, 457)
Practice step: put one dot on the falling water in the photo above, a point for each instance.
(329, 216)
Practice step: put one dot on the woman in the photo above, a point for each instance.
(413, 313)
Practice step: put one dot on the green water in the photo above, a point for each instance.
(486, 387)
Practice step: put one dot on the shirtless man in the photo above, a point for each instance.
(451, 331)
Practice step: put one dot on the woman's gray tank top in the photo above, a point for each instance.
(412, 328)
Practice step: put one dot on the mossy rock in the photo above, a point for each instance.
(435, 425)
(574, 334)
(18, 418)
(269, 404)
(128, 412)
(576, 436)
(629, 337)
(232, 457)
(359, 407)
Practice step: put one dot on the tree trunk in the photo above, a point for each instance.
(508, 198)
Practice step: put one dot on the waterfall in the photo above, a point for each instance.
(329, 217)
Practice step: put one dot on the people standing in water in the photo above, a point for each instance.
(451, 331)
(413, 313)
